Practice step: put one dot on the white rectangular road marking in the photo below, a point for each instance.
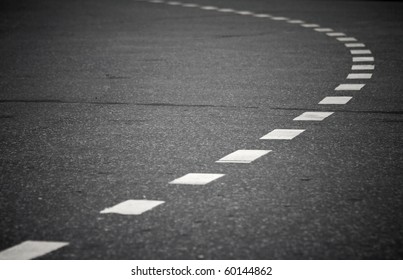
(349, 87)
(173, 3)
(335, 100)
(156, 1)
(363, 67)
(196, 179)
(310, 25)
(282, 134)
(226, 10)
(323, 29)
(244, 13)
(279, 18)
(190, 5)
(262, 15)
(346, 39)
(209, 8)
(360, 76)
(132, 207)
(28, 250)
(243, 156)
(335, 34)
(363, 59)
(295, 21)
(360, 51)
(313, 116)
(354, 45)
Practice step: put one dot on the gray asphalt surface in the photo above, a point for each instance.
(103, 101)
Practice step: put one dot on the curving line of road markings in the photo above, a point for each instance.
(33, 249)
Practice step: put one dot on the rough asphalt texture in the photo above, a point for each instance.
(103, 101)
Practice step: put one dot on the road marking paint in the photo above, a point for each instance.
(156, 1)
(29, 249)
(335, 34)
(310, 25)
(359, 76)
(313, 116)
(226, 10)
(279, 18)
(363, 58)
(354, 45)
(296, 21)
(350, 87)
(196, 179)
(323, 29)
(243, 156)
(282, 134)
(208, 8)
(360, 51)
(363, 67)
(132, 207)
(261, 15)
(244, 13)
(190, 5)
(346, 39)
(174, 3)
(335, 100)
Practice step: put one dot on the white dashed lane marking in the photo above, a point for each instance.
(209, 8)
(350, 87)
(336, 100)
(28, 250)
(243, 156)
(279, 18)
(359, 76)
(360, 51)
(296, 21)
(132, 207)
(335, 34)
(354, 45)
(313, 116)
(190, 5)
(173, 3)
(323, 29)
(363, 67)
(282, 134)
(262, 15)
(226, 10)
(346, 39)
(196, 179)
(363, 59)
(310, 25)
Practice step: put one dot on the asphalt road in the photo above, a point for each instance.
(104, 101)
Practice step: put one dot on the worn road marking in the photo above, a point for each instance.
(310, 25)
(243, 156)
(323, 29)
(363, 59)
(132, 207)
(313, 116)
(360, 51)
(279, 18)
(156, 1)
(196, 179)
(173, 3)
(346, 39)
(295, 21)
(243, 13)
(359, 76)
(28, 250)
(350, 87)
(262, 15)
(335, 34)
(354, 45)
(226, 10)
(190, 5)
(363, 67)
(335, 100)
(282, 134)
(208, 8)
